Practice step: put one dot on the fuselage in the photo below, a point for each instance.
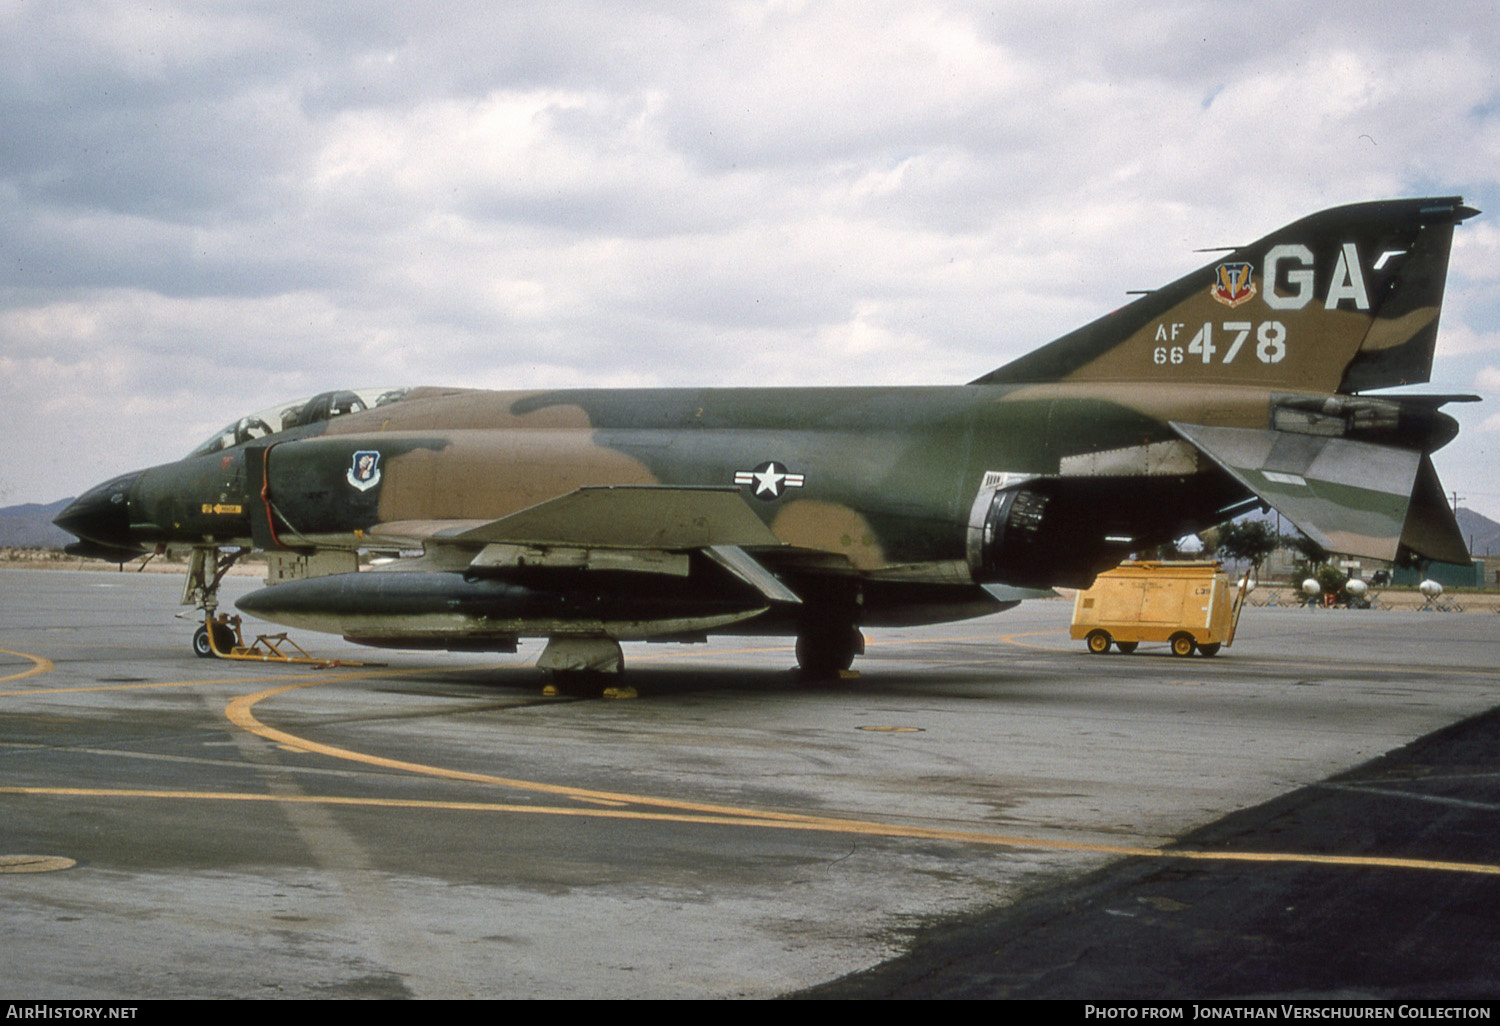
(883, 477)
(883, 480)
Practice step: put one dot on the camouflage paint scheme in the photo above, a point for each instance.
(816, 511)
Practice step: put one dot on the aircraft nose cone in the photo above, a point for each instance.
(101, 516)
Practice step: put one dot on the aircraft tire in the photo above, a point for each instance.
(827, 653)
(1098, 642)
(201, 646)
(203, 649)
(1183, 644)
(1211, 649)
(580, 683)
(1126, 647)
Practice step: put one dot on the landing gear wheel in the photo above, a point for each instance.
(1098, 642)
(1183, 644)
(827, 653)
(223, 640)
(1126, 647)
(1211, 649)
(578, 683)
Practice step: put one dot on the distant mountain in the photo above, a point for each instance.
(1481, 534)
(29, 526)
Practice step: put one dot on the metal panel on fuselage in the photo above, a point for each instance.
(880, 476)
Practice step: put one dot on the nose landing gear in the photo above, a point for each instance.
(214, 638)
(219, 636)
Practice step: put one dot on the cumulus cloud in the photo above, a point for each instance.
(208, 207)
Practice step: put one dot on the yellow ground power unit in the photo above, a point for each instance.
(1191, 606)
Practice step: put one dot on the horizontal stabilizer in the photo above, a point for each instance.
(624, 517)
(1349, 497)
(1431, 529)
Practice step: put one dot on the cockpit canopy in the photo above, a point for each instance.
(298, 413)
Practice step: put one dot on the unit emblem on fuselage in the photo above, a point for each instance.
(768, 480)
(1233, 283)
(364, 470)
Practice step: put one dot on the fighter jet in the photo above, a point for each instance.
(592, 517)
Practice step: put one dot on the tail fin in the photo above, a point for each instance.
(1344, 300)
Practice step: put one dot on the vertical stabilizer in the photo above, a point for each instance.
(1341, 301)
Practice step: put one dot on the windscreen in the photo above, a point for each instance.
(298, 413)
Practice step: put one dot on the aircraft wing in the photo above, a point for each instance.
(638, 528)
(1352, 497)
(615, 516)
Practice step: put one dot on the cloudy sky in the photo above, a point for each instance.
(209, 206)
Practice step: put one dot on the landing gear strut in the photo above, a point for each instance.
(205, 570)
(220, 636)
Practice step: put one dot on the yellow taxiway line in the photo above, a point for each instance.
(39, 665)
(239, 713)
(753, 818)
(616, 805)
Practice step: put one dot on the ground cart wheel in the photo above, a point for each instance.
(1098, 642)
(1183, 644)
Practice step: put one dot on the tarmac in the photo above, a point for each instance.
(985, 811)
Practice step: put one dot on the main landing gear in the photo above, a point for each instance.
(828, 651)
(584, 666)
